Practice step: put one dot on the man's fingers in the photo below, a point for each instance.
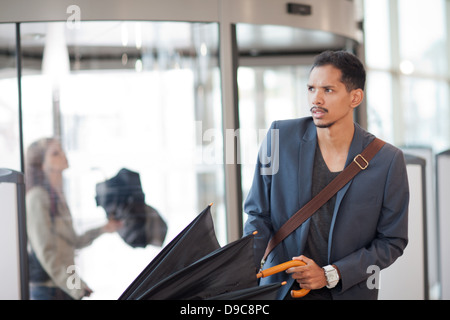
(307, 276)
(294, 270)
(300, 268)
(303, 258)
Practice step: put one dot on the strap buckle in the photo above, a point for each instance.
(363, 165)
(263, 261)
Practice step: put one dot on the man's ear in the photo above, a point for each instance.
(357, 97)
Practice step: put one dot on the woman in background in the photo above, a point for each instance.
(51, 236)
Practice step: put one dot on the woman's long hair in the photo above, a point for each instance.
(34, 160)
(34, 173)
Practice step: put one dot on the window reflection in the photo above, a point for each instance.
(379, 109)
(426, 114)
(266, 94)
(406, 56)
(377, 33)
(127, 95)
(408, 97)
(9, 104)
(423, 45)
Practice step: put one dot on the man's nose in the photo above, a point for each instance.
(317, 98)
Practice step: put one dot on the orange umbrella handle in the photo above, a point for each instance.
(282, 267)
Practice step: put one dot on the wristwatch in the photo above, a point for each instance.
(331, 275)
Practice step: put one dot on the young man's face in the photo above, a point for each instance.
(329, 99)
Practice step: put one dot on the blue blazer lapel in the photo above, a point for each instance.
(307, 146)
(356, 147)
(306, 163)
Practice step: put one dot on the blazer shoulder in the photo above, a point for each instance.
(395, 154)
(388, 152)
(368, 137)
(296, 127)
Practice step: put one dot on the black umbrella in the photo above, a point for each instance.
(123, 199)
(266, 292)
(193, 243)
(224, 270)
(222, 273)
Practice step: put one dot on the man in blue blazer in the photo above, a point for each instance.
(364, 226)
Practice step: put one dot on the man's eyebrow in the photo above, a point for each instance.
(324, 87)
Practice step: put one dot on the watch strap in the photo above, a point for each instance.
(331, 275)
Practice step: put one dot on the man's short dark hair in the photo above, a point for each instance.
(353, 72)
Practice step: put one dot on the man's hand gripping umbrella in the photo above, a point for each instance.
(282, 267)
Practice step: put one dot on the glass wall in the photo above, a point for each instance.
(9, 100)
(406, 45)
(408, 72)
(266, 94)
(274, 66)
(134, 95)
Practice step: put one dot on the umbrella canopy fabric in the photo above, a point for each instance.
(193, 266)
(142, 225)
(124, 187)
(123, 199)
(196, 241)
(266, 292)
(225, 270)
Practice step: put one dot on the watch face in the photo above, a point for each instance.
(332, 276)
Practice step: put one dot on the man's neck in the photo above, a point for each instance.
(334, 143)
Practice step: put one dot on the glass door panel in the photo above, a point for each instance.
(274, 66)
(9, 103)
(266, 94)
(134, 95)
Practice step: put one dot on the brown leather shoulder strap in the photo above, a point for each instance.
(359, 163)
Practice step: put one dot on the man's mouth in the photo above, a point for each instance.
(318, 112)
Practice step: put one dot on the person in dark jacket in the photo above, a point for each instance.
(363, 225)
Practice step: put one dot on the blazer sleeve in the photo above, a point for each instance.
(391, 230)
